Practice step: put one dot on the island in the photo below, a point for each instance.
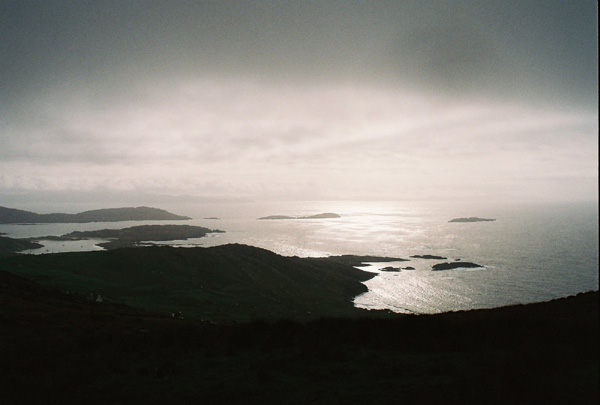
(390, 269)
(455, 265)
(472, 219)
(357, 260)
(132, 236)
(428, 257)
(326, 215)
(15, 216)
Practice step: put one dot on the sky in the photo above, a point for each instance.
(302, 100)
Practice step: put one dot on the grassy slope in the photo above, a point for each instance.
(223, 283)
(60, 348)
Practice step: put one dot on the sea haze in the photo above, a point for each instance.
(530, 253)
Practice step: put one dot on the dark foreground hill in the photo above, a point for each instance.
(62, 348)
(15, 216)
(232, 283)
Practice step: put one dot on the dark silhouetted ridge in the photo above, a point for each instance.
(221, 283)
(71, 348)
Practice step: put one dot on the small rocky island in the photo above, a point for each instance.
(455, 265)
(326, 215)
(391, 269)
(431, 257)
(15, 216)
(472, 219)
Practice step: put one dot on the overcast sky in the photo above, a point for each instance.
(481, 100)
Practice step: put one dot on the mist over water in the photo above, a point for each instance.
(532, 252)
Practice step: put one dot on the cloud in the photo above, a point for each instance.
(340, 140)
(340, 99)
(512, 49)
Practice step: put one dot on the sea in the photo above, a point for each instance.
(532, 252)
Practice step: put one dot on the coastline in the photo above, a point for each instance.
(518, 250)
(107, 352)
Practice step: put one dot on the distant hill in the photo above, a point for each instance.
(15, 216)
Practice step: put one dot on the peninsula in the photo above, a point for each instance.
(15, 216)
(132, 236)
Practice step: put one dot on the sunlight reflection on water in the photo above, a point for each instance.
(530, 254)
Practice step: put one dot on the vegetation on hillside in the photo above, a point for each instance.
(232, 283)
(66, 348)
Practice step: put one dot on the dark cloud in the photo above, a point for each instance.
(271, 92)
(549, 47)
(454, 58)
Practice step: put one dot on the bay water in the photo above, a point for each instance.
(530, 253)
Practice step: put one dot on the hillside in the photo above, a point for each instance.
(15, 216)
(65, 348)
(222, 283)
